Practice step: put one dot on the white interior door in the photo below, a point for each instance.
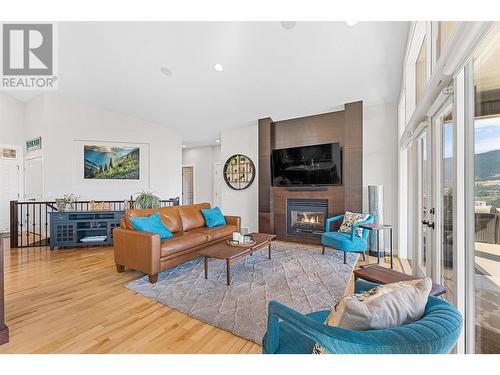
(217, 181)
(187, 185)
(34, 179)
(9, 190)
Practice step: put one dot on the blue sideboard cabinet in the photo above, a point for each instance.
(72, 228)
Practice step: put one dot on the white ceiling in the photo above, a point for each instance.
(268, 70)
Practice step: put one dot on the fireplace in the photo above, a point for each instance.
(306, 217)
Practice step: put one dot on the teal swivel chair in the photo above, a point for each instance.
(291, 332)
(346, 242)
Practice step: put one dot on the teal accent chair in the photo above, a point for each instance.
(346, 242)
(290, 332)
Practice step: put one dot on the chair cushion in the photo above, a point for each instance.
(351, 218)
(191, 216)
(151, 224)
(182, 241)
(216, 233)
(342, 241)
(213, 217)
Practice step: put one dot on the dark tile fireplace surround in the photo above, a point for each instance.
(278, 213)
(306, 217)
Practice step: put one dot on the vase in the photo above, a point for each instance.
(376, 209)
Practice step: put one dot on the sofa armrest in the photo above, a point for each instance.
(137, 250)
(233, 220)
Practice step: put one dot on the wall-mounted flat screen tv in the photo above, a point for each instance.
(308, 165)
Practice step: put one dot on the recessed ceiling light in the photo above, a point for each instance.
(184, 146)
(351, 23)
(287, 25)
(218, 67)
(217, 141)
(166, 71)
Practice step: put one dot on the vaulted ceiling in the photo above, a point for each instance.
(269, 70)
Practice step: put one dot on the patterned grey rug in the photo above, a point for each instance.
(298, 276)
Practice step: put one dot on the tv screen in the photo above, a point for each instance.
(308, 165)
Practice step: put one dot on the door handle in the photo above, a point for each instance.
(428, 223)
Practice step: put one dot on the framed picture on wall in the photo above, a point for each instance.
(101, 162)
(111, 162)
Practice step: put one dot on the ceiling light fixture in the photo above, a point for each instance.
(184, 146)
(217, 141)
(218, 67)
(351, 23)
(166, 71)
(288, 25)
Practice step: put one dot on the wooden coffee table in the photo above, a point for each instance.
(231, 254)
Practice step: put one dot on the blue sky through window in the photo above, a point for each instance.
(487, 136)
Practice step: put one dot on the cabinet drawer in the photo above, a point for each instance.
(59, 217)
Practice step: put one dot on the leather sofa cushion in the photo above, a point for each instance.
(216, 233)
(169, 216)
(191, 216)
(182, 241)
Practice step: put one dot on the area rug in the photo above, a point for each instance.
(298, 276)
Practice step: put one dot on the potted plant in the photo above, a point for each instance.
(67, 202)
(147, 199)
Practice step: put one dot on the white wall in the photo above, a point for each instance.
(61, 122)
(11, 121)
(202, 159)
(243, 203)
(380, 157)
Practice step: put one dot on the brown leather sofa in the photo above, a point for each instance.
(143, 251)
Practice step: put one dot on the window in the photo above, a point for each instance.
(448, 256)
(487, 193)
(420, 73)
(444, 29)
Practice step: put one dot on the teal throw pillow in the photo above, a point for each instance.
(151, 224)
(213, 217)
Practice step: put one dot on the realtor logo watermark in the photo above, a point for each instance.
(28, 56)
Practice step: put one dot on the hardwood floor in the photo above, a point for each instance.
(73, 301)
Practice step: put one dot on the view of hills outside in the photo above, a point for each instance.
(487, 161)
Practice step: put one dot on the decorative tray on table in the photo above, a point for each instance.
(240, 244)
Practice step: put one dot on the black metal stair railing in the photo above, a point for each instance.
(29, 220)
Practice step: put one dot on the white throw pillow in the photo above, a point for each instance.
(386, 306)
(351, 218)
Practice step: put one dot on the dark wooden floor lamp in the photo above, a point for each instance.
(4, 331)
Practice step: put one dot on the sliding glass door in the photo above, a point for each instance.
(447, 272)
(485, 322)
(422, 259)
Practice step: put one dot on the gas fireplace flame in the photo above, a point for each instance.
(309, 220)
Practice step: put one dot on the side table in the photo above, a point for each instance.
(381, 275)
(378, 228)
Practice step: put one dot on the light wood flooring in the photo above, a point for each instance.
(73, 301)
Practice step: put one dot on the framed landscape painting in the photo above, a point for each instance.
(107, 162)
